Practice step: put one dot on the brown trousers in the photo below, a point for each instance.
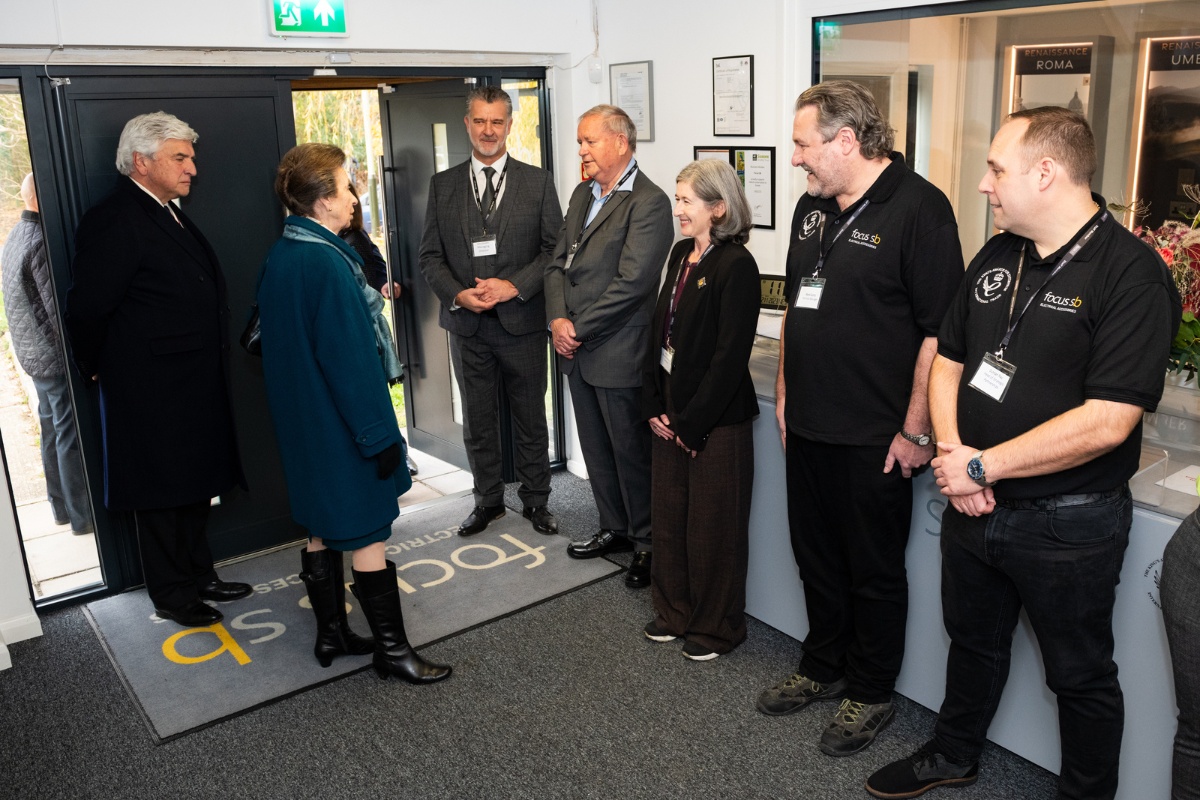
(700, 515)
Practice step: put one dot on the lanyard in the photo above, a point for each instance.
(825, 251)
(1062, 262)
(603, 200)
(495, 196)
(685, 271)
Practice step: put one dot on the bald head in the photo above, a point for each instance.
(29, 193)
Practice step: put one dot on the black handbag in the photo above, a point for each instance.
(252, 337)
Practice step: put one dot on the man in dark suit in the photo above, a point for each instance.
(147, 319)
(600, 291)
(489, 231)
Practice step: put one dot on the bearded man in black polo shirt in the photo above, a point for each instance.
(1054, 347)
(873, 264)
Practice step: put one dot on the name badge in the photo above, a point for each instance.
(993, 377)
(666, 358)
(484, 246)
(810, 293)
(570, 256)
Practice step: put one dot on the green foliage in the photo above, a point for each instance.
(1185, 350)
(397, 392)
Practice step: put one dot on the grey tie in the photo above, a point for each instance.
(489, 193)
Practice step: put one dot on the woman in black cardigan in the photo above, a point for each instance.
(699, 398)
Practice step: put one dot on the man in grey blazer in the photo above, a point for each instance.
(490, 230)
(600, 293)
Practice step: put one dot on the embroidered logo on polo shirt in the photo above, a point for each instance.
(1057, 303)
(870, 240)
(992, 285)
(809, 225)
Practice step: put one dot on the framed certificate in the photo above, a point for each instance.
(631, 88)
(733, 96)
(755, 167)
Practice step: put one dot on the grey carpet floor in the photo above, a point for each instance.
(566, 699)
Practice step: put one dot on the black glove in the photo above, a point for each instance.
(387, 461)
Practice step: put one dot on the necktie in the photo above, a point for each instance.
(489, 193)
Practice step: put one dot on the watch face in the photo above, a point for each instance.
(923, 440)
(974, 469)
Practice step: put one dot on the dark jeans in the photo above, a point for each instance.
(1179, 589)
(1060, 558)
(66, 486)
(849, 524)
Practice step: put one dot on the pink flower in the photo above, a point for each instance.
(1167, 255)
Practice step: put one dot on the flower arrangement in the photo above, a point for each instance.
(1178, 242)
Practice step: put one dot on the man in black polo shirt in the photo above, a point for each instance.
(1055, 345)
(873, 264)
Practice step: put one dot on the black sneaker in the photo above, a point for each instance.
(797, 692)
(920, 772)
(655, 633)
(698, 652)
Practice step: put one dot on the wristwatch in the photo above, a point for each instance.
(975, 470)
(919, 439)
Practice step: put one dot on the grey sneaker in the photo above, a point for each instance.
(917, 774)
(854, 727)
(797, 692)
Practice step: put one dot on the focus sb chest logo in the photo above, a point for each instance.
(1056, 302)
(870, 240)
(992, 285)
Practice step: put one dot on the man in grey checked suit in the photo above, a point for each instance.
(601, 288)
(489, 232)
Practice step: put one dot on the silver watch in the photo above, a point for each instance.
(919, 439)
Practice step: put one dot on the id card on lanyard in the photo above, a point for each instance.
(485, 245)
(808, 294)
(994, 375)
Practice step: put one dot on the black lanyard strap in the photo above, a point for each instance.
(486, 215)
(1062, 262)
(824, 251)
(603, 200)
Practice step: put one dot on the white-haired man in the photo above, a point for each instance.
(148, 320)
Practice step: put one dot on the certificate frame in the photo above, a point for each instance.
(631, 88)
(733, 95)
(700, 153)
(755, 168)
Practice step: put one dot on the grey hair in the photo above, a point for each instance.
(715, 181)
(489, 94)
(846, 104)
(615, 121)
(145, 134)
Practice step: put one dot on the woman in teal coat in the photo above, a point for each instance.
(327, 360)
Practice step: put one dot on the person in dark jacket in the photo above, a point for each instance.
(327, 359)
(148, 320)
(699, 398)
(374, 269)
(33, 325)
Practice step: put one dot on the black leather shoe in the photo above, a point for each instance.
(412, 465)
(194, 615)
(480, 518)
(600, 544)
(638, 575)
(221, 591)
(543, 521)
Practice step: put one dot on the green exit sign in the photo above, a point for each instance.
(308, 18)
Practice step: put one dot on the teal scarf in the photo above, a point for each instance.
(375, 304)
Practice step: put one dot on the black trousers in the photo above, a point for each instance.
(849, 524)
(176, 560)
